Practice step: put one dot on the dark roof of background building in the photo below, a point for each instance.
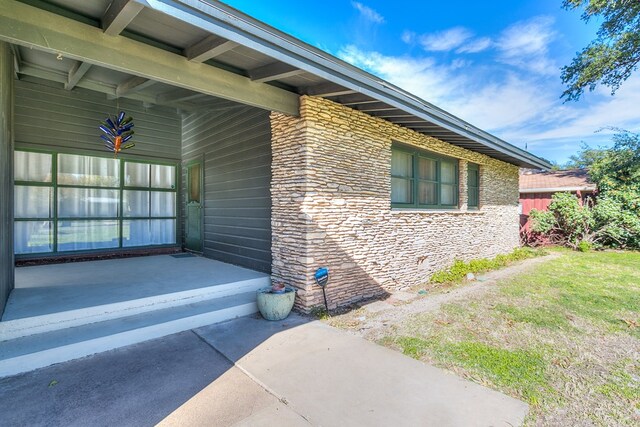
(568, 180)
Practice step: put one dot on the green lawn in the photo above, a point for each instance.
(565, 337)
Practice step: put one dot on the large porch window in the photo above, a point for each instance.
(68, 202)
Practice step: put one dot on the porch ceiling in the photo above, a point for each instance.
(211, 43)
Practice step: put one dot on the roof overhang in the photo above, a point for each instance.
(207, 47)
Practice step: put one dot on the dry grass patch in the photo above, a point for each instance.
(563, 337)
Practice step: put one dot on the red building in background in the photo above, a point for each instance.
(537, 187)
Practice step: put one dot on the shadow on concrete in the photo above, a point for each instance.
(134, 385)
(137, 385)
(237, 338)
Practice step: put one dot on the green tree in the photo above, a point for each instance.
(618, 168)
(586, 157)
(613, 55)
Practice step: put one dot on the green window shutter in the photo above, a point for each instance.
(473, 186)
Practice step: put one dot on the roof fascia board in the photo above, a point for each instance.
(556, 189)
(231, 24)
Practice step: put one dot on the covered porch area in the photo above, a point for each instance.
(59, 312)
(197, 182)
(198, 178)
(232, 161)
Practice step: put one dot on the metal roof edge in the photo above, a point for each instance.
(240, 27)
(556, 189)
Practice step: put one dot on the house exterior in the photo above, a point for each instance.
(252, 148)
(538, 187)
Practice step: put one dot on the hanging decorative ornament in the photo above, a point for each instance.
(117, 133)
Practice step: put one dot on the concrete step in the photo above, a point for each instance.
(35, 351)
(12, 329)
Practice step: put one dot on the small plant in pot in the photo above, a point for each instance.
(276, 301)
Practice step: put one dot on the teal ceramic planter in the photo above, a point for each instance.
(275, 306)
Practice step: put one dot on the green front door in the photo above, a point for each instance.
(193, 226)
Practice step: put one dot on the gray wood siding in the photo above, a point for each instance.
(6, 174)
(236, 145)
(48, 116)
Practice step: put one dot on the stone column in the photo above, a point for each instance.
(6, 174)
(289, 223)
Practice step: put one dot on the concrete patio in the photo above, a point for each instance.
(60, 312)
(56, 288)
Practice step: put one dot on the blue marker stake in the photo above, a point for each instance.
(322, 278)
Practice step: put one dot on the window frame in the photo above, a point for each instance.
(53, 205)
(476, 189)
(416, 154)
(120, 218)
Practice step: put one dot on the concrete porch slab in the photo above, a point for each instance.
(333, 378)
(67, 311)
(48, 289)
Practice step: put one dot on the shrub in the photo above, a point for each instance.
(567, 222)
(542, 221)
(460, 269)
(617, 217)
(614, 221)
(584, 246)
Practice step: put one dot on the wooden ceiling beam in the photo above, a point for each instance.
(39, 29)
(76, 74)
(107, 89)
(208, 48)
(274, 71)
(178, 95)
(327, 89)
(134, 84)
(118, 15)
(354, 99)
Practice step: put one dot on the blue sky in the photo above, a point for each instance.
(495, 64)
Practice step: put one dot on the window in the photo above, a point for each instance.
(33, 202)
(473, 186)
(149, 201)
(67, 202)
(420, 179)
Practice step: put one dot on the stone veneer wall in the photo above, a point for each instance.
(331, 206)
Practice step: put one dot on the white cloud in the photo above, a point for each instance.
(525, 44)
(519, 103)
(486, 104)
(445, 40)
(408, 37)
(475, 46)
(597, 111)
(368, 13)
(501, 105)
(421, 76)
(530, 37)
(459, 63)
